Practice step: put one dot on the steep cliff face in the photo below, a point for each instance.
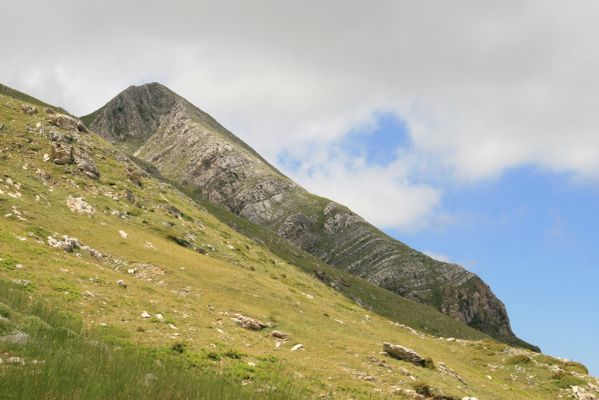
(189, 146)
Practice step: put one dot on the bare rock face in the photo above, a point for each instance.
(85, 163)
(68, 149)
(61, 153)
(187, 145)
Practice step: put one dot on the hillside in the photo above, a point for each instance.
(189, 147)
(151, 278)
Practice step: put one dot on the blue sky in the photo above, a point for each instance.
(528, 232)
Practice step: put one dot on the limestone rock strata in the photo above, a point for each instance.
(189, 146)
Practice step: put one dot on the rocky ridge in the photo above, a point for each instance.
(190, 147)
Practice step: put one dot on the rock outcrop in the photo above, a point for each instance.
(187, 145)
(403, 353)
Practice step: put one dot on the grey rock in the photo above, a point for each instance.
(79, 205)
(66, 122)
(249, 323)
(17, 337)
(279, 335)
(85, 163)
(403, 353)
(61, 153)
(28, 109)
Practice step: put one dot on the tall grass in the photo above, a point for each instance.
(63, 363)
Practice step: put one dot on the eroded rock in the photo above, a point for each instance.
(61, 153)
(85, 163)
(79, 205)
(403, 353)
(28, 109)
(66, 122)
(279, 335)
(249, 323)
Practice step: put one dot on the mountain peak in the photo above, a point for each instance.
(133, 114)
(189, 147)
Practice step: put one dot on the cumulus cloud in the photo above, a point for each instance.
(385, 196)
(482, 86)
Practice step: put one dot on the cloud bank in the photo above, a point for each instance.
(482, 86)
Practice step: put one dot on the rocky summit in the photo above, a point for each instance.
(189, 147)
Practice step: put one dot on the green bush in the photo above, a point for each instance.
(5, 310)
(422, 388)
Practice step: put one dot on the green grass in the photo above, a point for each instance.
(62, 361)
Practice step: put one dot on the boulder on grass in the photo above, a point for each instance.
(403, 353)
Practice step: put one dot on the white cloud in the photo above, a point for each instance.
(484, 86)
(438, 256)
(385, 196)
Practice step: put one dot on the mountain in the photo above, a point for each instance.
(188, 146)
(115, 283)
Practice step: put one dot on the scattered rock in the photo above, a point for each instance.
(131, 271)
(21, 282)
(94, 253)
(85, 163)
(79, 205)
(68, 244)
(403, 353)
(297, 347)
(15, 360)
(134, 175)
(123, 234)
(159, 317)
(249, 323)
(279, 335)
(582, 394)
(445, 370)
(66, 122)
(61, 153)
(27, 109)
(121, 283)
(129, 196)
(145, 314)
(17, 337)
(175, 212)
(364, 376)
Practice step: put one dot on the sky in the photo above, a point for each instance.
(467, 129)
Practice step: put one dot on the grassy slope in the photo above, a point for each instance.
(197, 292)
(63, 361)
